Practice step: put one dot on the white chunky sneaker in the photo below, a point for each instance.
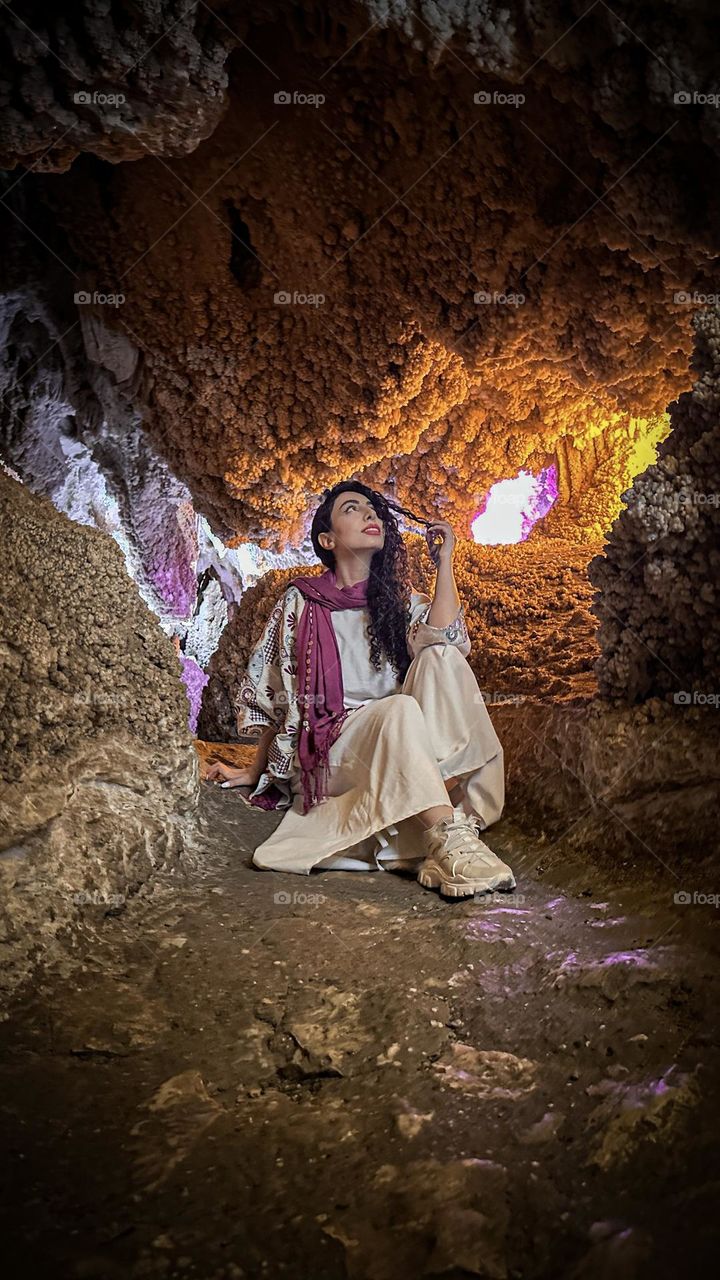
(457, 861)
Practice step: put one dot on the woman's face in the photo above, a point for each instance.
(356, 524)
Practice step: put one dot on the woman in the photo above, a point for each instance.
(369, 718)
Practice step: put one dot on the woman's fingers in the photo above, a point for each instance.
(241, 778)
(434, 541)
(218, 770)
(441, 538)
(230, 777)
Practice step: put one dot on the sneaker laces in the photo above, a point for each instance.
(456, 831)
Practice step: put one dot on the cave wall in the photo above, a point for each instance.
(657, 578)
(501, 282)
(97, 767)
(71, 429)
(639, 785)
(115, 80)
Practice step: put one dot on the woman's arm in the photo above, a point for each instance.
(248, 776)
(446, 601)
(261, 752)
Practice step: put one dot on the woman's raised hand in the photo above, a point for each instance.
(441, 541)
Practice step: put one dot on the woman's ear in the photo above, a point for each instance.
(326, 546)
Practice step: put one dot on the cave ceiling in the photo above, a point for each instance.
(398, 282)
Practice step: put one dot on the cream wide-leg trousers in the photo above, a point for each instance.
(389, 762)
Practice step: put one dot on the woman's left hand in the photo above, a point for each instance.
(228, 776)
(441, 541)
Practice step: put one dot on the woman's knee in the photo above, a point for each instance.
(399, 706)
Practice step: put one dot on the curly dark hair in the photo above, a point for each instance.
(389, 585)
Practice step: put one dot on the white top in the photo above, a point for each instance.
(361, 682)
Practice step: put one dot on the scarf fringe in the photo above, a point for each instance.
(315, 780)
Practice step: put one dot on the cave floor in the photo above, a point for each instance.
(252, 1074)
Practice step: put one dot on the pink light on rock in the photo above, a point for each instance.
(194, 679)
(513, 506)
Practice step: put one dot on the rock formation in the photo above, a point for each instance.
(657, 580)
(253, 252)
(97, 769)
(92, 79)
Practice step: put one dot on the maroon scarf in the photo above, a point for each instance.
(321, 696)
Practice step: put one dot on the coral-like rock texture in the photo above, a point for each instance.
(254, 252)
(97, 769)
(71, 431)
(427, 244)
(657, 578)
(635, 782)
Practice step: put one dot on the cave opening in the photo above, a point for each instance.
(513, 506)
(462, 258)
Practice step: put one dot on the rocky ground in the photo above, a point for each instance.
(342, 1074)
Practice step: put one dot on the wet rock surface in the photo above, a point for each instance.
(342, 1074)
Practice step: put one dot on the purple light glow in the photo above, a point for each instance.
(194, 679)
(176, 585)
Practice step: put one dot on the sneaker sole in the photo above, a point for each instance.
(433, 878)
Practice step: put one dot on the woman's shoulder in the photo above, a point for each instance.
(291, 597)
(291, 603)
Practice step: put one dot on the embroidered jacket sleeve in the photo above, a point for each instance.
(420, 633)
(268, 697)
